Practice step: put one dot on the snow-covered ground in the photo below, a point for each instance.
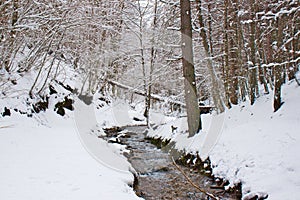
(48, 161)
(53, 157)
(47, 156)
(260, 147)
(251, 144)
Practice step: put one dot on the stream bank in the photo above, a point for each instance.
(158, 177)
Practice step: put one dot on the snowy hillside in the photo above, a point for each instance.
(49, 162)
(42, 153)
(256, 146)
(260, 147)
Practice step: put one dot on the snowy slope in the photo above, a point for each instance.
(254, 146)
(49, 162)
(260, 147)
(47, 156)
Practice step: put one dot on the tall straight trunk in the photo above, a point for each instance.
(192, 107)
(142, 52)
(293, 46)
(226, 54)
(268, 59)
(241, 73)
(234, 73)
(152, 59)
(295, 42)
(278, 68)
(261, 58)
(210, 28)
(235, 48)
(252, 67)
(215, 86)
(277, 91)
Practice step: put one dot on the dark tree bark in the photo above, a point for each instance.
(278, 69)
(226, 54)
(234, 51)
(193, 112)
(252, 67)
(210, 27)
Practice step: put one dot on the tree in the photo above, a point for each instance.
(152, 62)
(278, 68)
(256, 44)
(208, 54)
(252, 64)
(193, 112)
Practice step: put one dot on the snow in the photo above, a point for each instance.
(50, 162)
(261, 146)
(90, 123)
(53, 157)
(249, 144)
(49, 156)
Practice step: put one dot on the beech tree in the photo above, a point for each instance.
(191, 99)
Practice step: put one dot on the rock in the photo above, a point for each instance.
(87, 99)
(41, 105)
(61, 111)
(6, 112)
(52, 90)
(67, 103)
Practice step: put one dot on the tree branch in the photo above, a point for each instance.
(193, 184)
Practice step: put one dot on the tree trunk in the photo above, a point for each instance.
(215, 86)
(142, 52)
(226, 54)
(278, 68)
(252, 66)
(193, 112)
(210, 20)
(152, 60)
(234, 53)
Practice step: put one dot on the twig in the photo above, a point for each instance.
(8, 126)
(193, 184)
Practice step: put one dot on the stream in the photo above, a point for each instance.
(157, 175)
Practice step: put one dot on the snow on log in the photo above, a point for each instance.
(203, 109)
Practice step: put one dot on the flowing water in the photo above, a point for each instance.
(157, 175)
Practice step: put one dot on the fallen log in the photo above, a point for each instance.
(203, 109)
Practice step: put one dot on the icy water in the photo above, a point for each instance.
(157, 175)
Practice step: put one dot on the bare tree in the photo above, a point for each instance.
(193, 112)
(152, 63)
(215, 91)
